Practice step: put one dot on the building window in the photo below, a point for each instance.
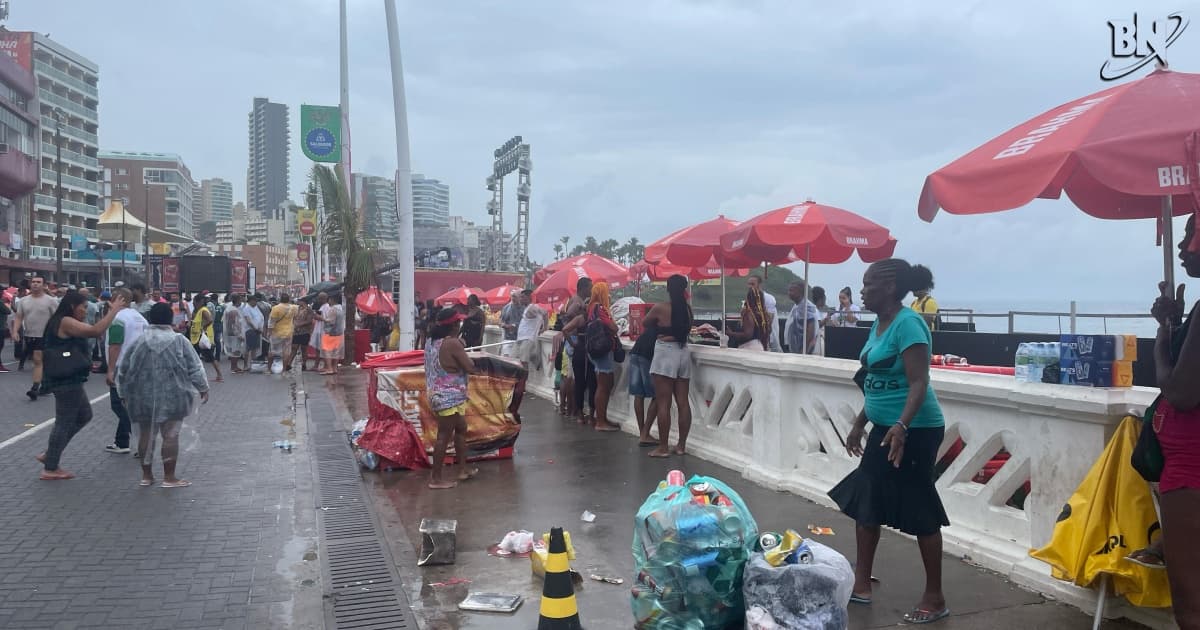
(122, 171)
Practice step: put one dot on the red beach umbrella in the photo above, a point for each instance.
(812, 232)
(501, 295)
(594, 266)
(458, 296)
(560, 285)
(1128, 152)
(662, 271)
(373, 301)
(692, 246)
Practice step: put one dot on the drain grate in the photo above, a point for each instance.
(365, 592)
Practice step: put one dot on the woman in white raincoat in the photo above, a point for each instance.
(159, 379)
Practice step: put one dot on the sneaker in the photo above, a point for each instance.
(113, 448)
(32, 393)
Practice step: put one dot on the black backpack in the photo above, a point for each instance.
(598, 339)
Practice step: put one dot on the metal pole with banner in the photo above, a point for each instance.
(321, 133)
(170, 275)
(252, 282)
(239, 275)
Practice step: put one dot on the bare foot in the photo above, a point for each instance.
(660, 452)
(41, 457)
(606, 426)
(146, 482)
(679, 450)
(55, 475)
(442, 485)
(467, 474)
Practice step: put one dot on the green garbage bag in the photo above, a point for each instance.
(691, 542)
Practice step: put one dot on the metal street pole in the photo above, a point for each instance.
(123, 211)
(403, 184)
(145, 219)
(58, 194)
(344, 103)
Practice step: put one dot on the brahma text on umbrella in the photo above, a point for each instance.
(1170, 176)
(1023, 145)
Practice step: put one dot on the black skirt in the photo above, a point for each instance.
(904, 498)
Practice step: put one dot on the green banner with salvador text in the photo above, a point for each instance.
(321, 132)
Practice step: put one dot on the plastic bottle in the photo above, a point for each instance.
(1021, 364)
(1039, 362)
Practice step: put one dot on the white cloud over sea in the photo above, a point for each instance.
(646, 116)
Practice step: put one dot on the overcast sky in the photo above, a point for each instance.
(645, 116)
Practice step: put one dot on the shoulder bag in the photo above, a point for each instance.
(63, 361)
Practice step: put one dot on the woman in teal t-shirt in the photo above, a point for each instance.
(894, 483)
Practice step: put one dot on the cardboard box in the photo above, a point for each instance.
(1088, 348)
(1088, 373)
(1127, 350)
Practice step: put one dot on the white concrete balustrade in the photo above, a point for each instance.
(780, 421)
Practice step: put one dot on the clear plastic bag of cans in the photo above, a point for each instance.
(798, 595)
(691, 541)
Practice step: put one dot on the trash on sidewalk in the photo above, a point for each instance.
(451, 582)
(817, 530)
(284, 444)
(437, 541)
(491, 602)
(805, 596)
(540, 553)
(587, 517)
(29, 425)
(607, 579)
(786, 548)
(516, 543)
(691, 540)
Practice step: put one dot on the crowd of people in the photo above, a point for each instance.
(152, 350)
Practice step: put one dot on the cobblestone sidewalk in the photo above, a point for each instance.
(235, 550)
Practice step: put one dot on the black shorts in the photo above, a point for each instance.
(205, 355)
(301, 339)
(33, 343)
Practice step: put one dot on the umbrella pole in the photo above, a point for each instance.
(1168, 243)
(724, 336)
(1098, 617)
(804, 304)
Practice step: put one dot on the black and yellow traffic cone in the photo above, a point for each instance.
(558, 611)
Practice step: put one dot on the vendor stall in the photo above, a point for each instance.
(402, 428)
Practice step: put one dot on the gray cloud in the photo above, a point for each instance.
(646, 116)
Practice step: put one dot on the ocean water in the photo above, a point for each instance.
(1137, 321)
(1142, 325)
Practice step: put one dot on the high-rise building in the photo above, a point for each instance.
(431, 202)
(377, 198)
(267, 172)
(69, 99)
(213, 200)
(157, 186)
(18, 160)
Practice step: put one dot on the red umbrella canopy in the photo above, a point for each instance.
(560, 285)
(661, 271)
(458, 296)
(808, 231)
(501, 295)
(692, 246)
(1116, 153)
(375, 302)
(594, 266)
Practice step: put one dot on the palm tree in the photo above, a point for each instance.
(343, 235)
(634, 250)
(564, 240)
(608, 248)
(558, 251)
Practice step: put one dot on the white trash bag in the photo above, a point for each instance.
(799, 596)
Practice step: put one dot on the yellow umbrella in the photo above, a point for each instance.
(1110, 514)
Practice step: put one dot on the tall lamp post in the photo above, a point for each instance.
(124, 244)
(145, 218)
(58, 194)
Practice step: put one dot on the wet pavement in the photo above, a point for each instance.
(561, 469)
(237, 549)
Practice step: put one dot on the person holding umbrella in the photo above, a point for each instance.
(894, 482)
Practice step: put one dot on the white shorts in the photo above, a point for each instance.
(671, 361)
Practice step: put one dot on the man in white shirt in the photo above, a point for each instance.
(33, 312)
(254, 328)
(126, 327)
(772, 309)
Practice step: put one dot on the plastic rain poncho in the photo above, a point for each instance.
(160, 376)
